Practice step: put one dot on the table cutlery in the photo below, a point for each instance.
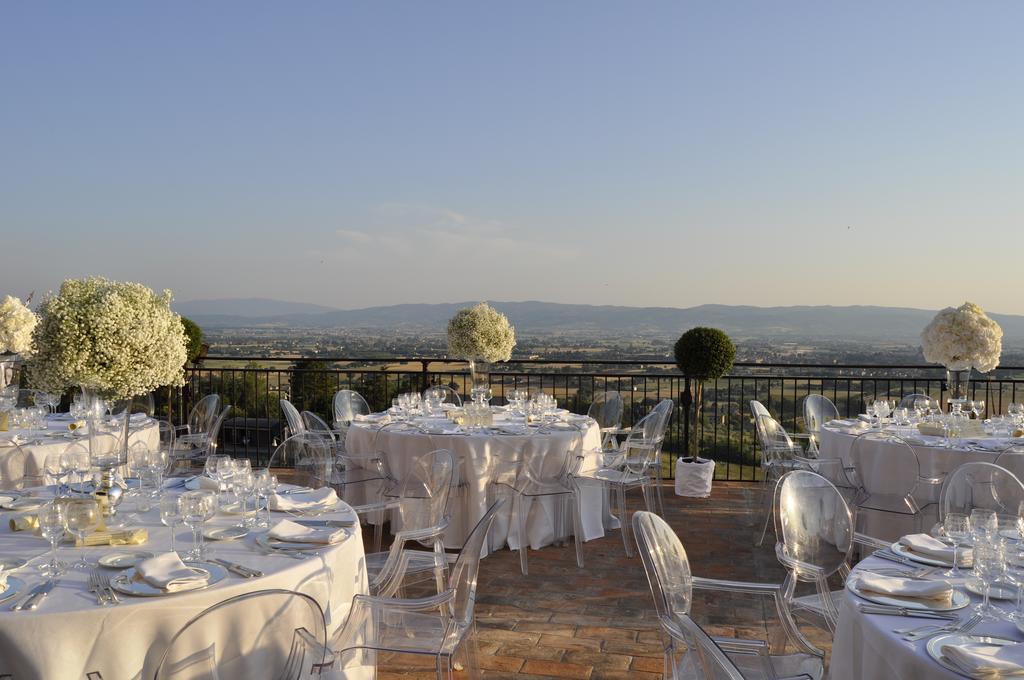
(887, 554)
(333, 523)
(885, 610)
(965, 627)
(96, 589)
(108, 589)
(240, 569)
(35, 597)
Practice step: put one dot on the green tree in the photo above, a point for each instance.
(701, 354)
(313, 385)
(193, 339)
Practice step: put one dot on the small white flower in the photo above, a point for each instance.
(963, 338)
(481, 332)
(120, 339)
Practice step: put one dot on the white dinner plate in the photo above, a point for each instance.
(903, 551)
(225, 533)
(122, 559)
(11, 588)
(959, 599)
(935, 645)
(4, 500)
(998, 591)
(11, 563)
(25, 504)
(236, 509)
(126, 583)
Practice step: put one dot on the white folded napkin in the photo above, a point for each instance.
(927, 546)
(904, 587)
(323, 497)
(167, 572)
(380, 418)
(286, 530)
(202, 482)
(980, 660)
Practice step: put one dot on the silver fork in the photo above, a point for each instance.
(926, 631)
(110, 592)
(96, 588)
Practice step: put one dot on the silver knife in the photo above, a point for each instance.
(239, 569)
(38, 593)
(332, 523)
(20, 604)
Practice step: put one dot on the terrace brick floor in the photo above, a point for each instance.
(598, 622)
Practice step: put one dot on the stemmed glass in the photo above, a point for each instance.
(266, 484)
(882, 410)
(979, 408)
(170, 514)
(197, 508)
(245, 486)
(989, 565)
(53, 468)
(957, 527)
(81, 516)
(49, 400)
(81, 463)
(984, 526)
(51, 527)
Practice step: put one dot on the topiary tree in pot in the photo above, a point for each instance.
(701, 354)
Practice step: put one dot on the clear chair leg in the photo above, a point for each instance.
(522, 511)
(624, 521)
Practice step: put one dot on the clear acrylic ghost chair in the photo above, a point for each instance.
(641, 447)
(450, 395)
(780, 453)
(292, 417)
(535, 473)
(420, 509)
(311, 457)
(1012, 460)
(908, 401)
(663, 408)
(13, 461)
(347, 405)
(200, 420)
(816, 536)
(143, 403)
(689, 651)
(888, 476)
(818, 410)
(980, 485)
(272, 634)
(606, 410)
(441, 626)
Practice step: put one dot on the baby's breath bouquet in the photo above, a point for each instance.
(117, 339)
(963, 338)
(481, 333)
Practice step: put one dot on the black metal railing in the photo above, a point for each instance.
(724, 430)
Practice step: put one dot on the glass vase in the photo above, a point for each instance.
(480, 373)
(957, 382)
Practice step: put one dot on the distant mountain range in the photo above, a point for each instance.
(895, 324)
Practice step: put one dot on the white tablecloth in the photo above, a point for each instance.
(477, 457)
(865, 648)
(37, 444)
(68, 635)
(936, 462)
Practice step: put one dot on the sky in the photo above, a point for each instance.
(353, 154)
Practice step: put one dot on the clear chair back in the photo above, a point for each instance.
(423, 490)
(774, 440)
(314, 424)
(643, 443)
(310, 455)
(292, 417)
(463, 577)
(13, 459)
(347, 405)
(272, 634)
(908, 401)
(818, 410)
(606, 409)
(664, 410)
(449, 396)
(815, 523)
(888, 462)
(980, 485)
(143, 403)
(203, 414)
(1012, 460)
(757, 409)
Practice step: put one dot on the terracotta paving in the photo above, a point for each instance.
(598, 622)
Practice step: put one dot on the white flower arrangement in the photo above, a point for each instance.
(963, 338)
(481, 332)
(119, 339)
(17, 322)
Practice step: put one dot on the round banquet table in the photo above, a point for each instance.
(935, 459)
(866, 648)
(69, 636)
(477, 456)
(56, 437)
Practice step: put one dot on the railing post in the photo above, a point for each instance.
(425, 374)
(685, 401)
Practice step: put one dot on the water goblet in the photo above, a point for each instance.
(51, 527)
(52, 468)
(266, 485)
(170, 514)
(957, 527)
(984, 526)
(245, 486)
(989, 566)
(979, 408)
(196, 508)
(81, 515)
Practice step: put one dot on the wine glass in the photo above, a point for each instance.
(196, 508)
(957, 527)
(989, 565)
(245, 485)
(81, 463)
(54, 470)
(979, 408)
(81, 516)
(49, 400)
(266, 484)
(170, 514)
(984, 526)
(51, 527)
